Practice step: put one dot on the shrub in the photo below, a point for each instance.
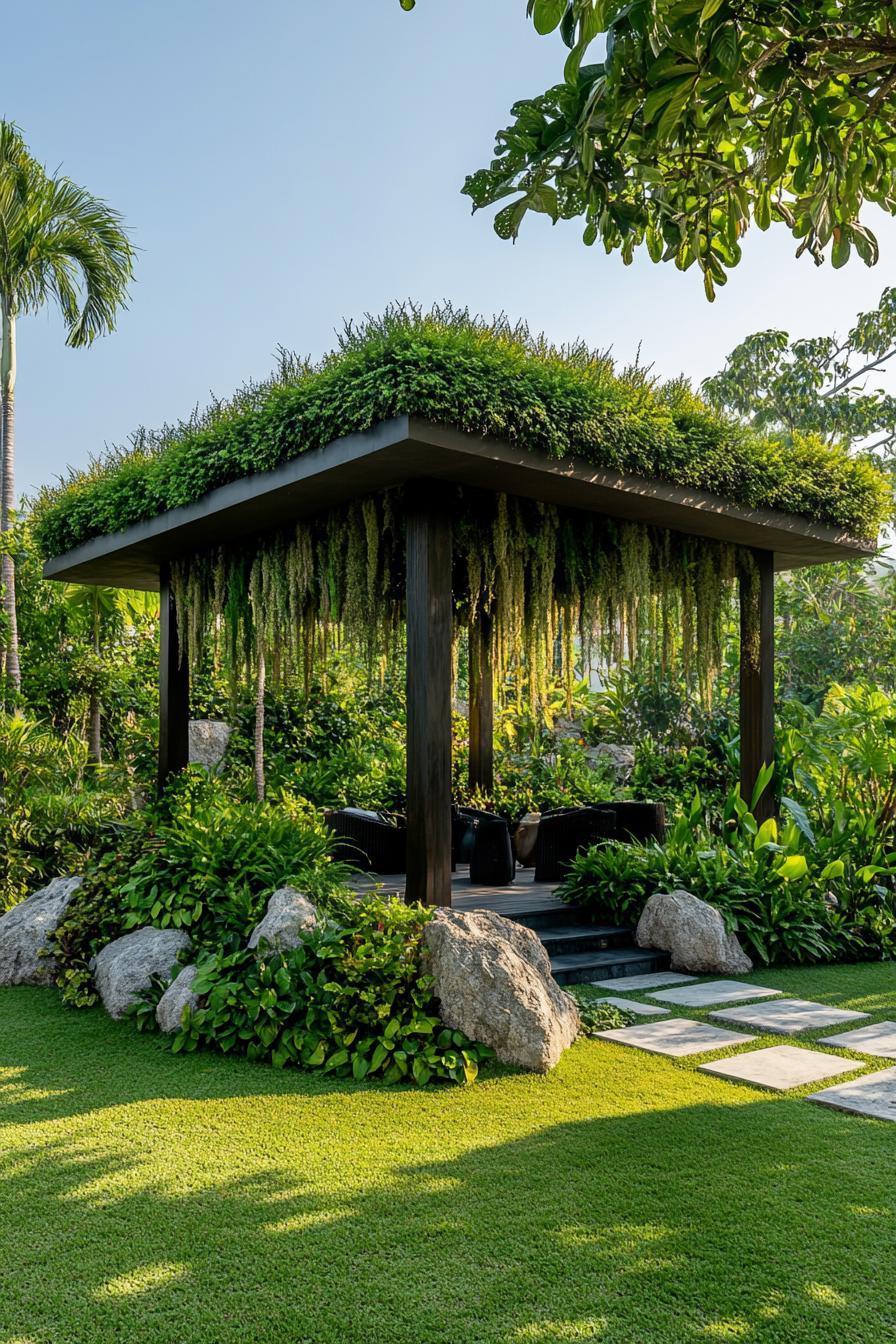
(613, 881)
(54, 809)
(95, 915)
(209, 863)
(352, 1000)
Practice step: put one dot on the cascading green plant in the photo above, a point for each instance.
(555, 588)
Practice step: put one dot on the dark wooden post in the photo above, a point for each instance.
(174, 690)
(757, 677)
(429, 622)
(482, 707)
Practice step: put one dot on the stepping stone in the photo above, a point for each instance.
(787, 1016)
(633, 1006)
(874, 1095)
(781, 1067)
(713, 991)
(675, 1036)
(625, 983)
(878, 1039)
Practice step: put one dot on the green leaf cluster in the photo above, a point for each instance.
(352, 1000)
(698, 117)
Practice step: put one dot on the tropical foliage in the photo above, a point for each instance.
(352, 1000)
(677, 125)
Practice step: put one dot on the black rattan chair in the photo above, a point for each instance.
(564, 834)
(374, 842)
(641, 822)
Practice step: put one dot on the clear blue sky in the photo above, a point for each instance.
(286, 164)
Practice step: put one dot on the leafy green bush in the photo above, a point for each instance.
(196, 861)
(352, 1000)
(54, 809)
(486, 379)
(95, 914)
(595, 1016)
(614, 881)
(673, 775)
(767, 880)
(210, 864)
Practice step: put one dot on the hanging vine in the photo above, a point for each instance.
(561, 589)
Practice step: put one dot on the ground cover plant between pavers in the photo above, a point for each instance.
(158, 1198)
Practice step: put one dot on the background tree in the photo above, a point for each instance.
(678, 122)
(105, 615)
(57, 242)
(824, 384)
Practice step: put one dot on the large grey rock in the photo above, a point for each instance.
(619, 759)
(125, 967)
(208, 743)
(287, 920)
(493, 982)
(178, 996)
(693, 932)
(25, 929)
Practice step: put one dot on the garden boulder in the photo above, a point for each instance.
(693, 932)
(290, 916)
(125, 967)
(208, 743)
(178, 996)
(25, 929)
(493, 981)
(618, 758)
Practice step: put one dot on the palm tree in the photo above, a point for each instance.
(57, 242)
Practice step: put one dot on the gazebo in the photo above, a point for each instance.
(428, 461)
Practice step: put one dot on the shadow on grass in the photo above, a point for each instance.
(747, 1218)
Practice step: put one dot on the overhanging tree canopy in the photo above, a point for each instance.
(678, 122)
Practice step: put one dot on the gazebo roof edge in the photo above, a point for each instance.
(407, 448)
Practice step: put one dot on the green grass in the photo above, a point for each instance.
(628, 1198)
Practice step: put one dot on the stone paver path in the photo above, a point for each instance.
(635, 983)
(787, 1017)
(675, 1036)
(874, 1095)
(712, 992)
(878, 1039)
(781, 1067)
(633, 1006)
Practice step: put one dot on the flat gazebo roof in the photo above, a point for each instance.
(407, 448)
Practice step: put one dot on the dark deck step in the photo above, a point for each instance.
(578, 968)
(564, 938)
(548, 914)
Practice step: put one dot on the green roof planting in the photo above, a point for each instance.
(485, 379)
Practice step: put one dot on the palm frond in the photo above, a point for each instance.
(59, 242)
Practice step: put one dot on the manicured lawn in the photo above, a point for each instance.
(146, 1197)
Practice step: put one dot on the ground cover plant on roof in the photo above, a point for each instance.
(486, 378)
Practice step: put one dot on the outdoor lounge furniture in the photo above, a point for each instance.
(375, 842)
(482, 839)
(641, 822)
(564, 833)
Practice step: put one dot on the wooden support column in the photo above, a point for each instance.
(174, 690)
(429, 675)
(482, 707)
(757, 678)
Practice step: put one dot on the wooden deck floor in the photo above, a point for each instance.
(524, 896)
